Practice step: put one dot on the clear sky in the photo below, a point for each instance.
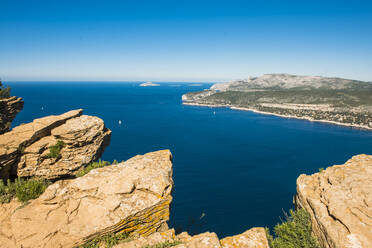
(180, 40)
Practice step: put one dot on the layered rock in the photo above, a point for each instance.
(25, 151)
(339, 200)
(9, 108)
(131, 197)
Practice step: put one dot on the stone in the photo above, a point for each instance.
(151, 240)
(203, 240)
(24, 151)
(339, 201)
(253, 238)
(6, 211)
(9, 108)
(131, 197)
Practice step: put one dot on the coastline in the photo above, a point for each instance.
(279, 115)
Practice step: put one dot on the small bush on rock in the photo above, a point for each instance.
(7, 192)
(165, 244)
(24, 190)
(92, 166)
(30, 189)
(108, 241)
(295, 232)
(4, 91)
(55, 150)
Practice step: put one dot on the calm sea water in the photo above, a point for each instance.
(237, 169)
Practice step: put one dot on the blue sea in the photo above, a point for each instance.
(233, 169)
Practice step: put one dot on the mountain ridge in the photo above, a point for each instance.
(289, 81)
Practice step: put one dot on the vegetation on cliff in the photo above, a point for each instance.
(165, 244)
(106, 241)
(23, 189)
(4, 91)
(55, 150)
(99, 164)
(295, 232)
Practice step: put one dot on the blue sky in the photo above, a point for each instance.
(183, 40)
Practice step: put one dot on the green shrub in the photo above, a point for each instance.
(108, 240)
(165, 244)
(321, 169)
(295, 232)
(55, 150)
(92, 166)
(4, 91)
(7, 192)
(23, 189)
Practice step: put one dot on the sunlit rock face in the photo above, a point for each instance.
(339, 200)
(26, 150)
(131, 197)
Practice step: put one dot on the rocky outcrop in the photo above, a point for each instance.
(26, 150)
(339, 200)
(203, 240)
(131, 197)
(9, 108)
(253, 238)
(151, 240)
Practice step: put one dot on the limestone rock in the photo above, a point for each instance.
(9, 108)
(153, 239)
(24, 151)
(253, 238)
(132, 197)
(339, 200)
(203, 240)
(6, 211)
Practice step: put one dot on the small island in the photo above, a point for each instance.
(149, 84)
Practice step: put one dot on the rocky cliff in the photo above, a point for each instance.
(9, 108)
(52, 147)
(131, 197)
(339, 200)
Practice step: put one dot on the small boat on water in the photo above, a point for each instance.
(119, 122)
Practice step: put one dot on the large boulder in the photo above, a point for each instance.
(131, 197)
(9, 108)
(339, 200)
(26, 150)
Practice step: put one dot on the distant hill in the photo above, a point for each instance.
(287, 81)
(337, 100)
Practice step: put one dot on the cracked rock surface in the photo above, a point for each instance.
(339, 200)
(132, 197)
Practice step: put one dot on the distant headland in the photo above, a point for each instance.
(333, 100)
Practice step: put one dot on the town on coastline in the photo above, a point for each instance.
(333, 100)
